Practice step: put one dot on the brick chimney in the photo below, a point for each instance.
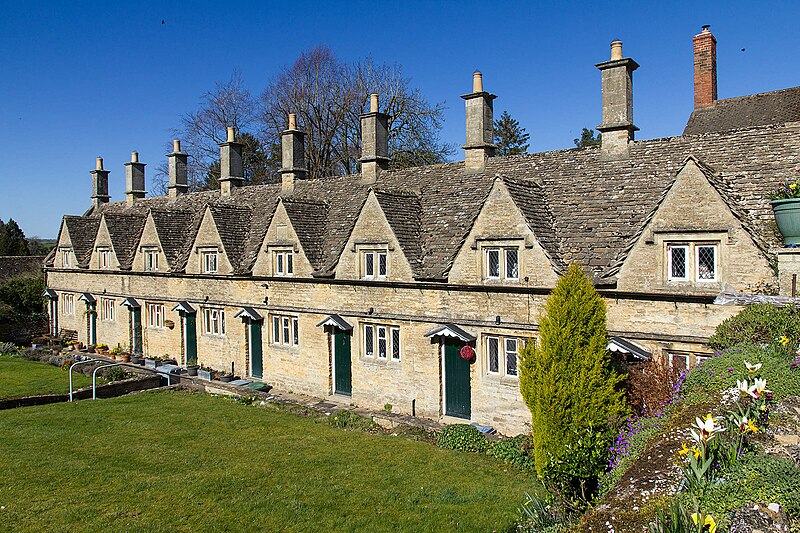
(705, 68)
(480, 125)
(617, 93)
(99, 184)
(134, 179)
(231, 174)
(178, 171)
(293, 155)
(374, 142)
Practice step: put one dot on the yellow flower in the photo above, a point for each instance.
(684, 450)
(784, 340)
(793, 186)
(709, 524)
(751, 426)
(696, 452)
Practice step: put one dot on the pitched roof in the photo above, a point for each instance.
(176, 230)
(776, 107)
(582, 207)
(82, 232)
(402, 210)
(125, 232)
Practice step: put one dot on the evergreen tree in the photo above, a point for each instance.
(587, 138)
(12, 239)
(566, 377)
(509, 136)
(3, 238)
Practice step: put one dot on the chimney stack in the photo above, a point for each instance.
(231, 174)
(134, 179)
(293, 156)
(374, 142)
(99, 184)
(178, 171)
(480, 125)
(617, 92)
(705, 68)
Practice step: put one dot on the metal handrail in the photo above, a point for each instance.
(94, 375)
(73, 365)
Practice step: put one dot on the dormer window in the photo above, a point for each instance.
(374, 264)
(151, 260)
(66, 257)
(104, 258)
(284, 263)
(692, 262)
(209, 260)
(502, 264)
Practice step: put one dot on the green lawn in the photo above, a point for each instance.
(180, 461)
(22, 377)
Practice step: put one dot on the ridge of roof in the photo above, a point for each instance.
(773, 107)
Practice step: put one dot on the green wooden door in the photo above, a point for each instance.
(136, 321)
(457, 396)
(256, 363)
(190, 330)
(342, 373)
(92, 324)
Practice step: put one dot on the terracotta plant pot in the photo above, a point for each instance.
(125, 358)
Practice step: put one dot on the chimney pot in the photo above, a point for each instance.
(616, 50)
(373, 103)
(477, 82)
(99, 163)
(176, 146)
(134, 157)
(292, 121)
(230, 134)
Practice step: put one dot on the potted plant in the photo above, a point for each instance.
(192, 369)
(152, 362)
(224, 376)
(786, 207)
(205, 373)
(102, 349)
(166, 359)
(136, 359)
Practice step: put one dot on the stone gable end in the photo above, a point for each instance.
(64, 241)
(281, 235)
(501, 221)
(693, 211)
(103, 240)
(372, 230)
(150, 239)
(208, 237)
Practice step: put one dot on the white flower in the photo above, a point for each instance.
(760, 387)
(752, 368)
(706, 429)
(743, 387)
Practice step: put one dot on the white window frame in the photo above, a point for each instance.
(68, 304)
(369, 351)
(151, 260)
(284, 263)
(108, 310)
(276, 329)
(700, 359)
(506, 251)
(697, 263)
(285, 330)
(376, 256)
(205, 261)
(507, 352)
(381, 331)
(155, 315)
(66, 257)
(503, 345)
(502, 263)
(104, 258)
(489, 252)
(214, 321)
(683, 356)
(395, 343)
(295, 331)
(392, 341)
(686, 270)
(490, 340)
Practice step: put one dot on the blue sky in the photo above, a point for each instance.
(81, 80)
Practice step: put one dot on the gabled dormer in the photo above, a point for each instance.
(292, 246)
(149, 255)
(382, 245)
(103, 255)
(75, 242)
(116, 241)
(696, 240)
(219, 243)
(511, 241)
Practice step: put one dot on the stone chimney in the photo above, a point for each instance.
(617, 92)
(374, 142)
(231, 174)
(293, 155)
(99, 184)
(178, 171)
(134, 179)
(480, 125)
(705, 68)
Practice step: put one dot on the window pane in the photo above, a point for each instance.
(381, 342)
(285, 330)
(493, 348)
(369, 266)
(493, 263)
(678, 262)
(706, 262)
(512, 264)
(222, 321)
(295, 332)
(678, 361)
(289, 265)
(276, 329)
(279, 263)
(511, 357)
(395, 343)
(369, 349)
(382, 264)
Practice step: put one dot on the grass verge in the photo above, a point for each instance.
(23, 377)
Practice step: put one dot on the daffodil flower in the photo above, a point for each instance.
(751, 426)
(754, 368)
(684, 450)
(709, 524)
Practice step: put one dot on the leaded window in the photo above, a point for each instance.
(678, 256)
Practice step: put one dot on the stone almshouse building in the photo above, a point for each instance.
(368, 285)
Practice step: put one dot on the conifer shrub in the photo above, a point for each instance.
(758, 323)
(567, 381)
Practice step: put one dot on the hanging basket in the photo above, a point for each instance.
(467, 353)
